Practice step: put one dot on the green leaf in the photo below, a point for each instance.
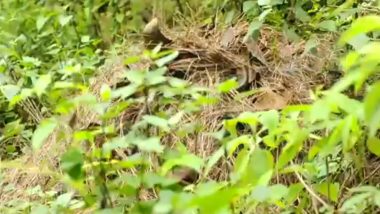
(42, 83)
(9, 91)
(362, 25)
(131, 60)
(64, 20)
(227, 86)
(40, 209)
(328, 25)
(188, 160)
(261, 194)
(41, 21)
(149, 145)
(292, 148)
(254, 27)
(373, 145)
(236, 142)
(259, 174)
(136, 77)
(264, 2)
(156, 77)
(175, 119)
(125, 92)
(157, 121)
(248, 5)
(64, 199)
(330, 190)
(351, 203)
(105, 93)
(372, 109)
(44, 129)
(301, 15)
(72, 163)
(85, 39)
(359, 41)
(213, 159)
(311, 44)
(294, 192)
(167, 59)
(278, 191)
(31, 61)
(269, 119)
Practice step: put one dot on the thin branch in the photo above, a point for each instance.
(310, 190)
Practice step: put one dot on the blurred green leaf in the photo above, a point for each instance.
(227, 86)
(361, 25)
(157, 121)
(136, 77)
(167, 59)
(9, 91)
(372, 109)
(188, 160)
(233, 144)
(269, 119)
(330, 190)
(41, 21)
(328, 25)
(72, 162)
(42, 83)
(373, 145)
(64, 20)
(149, 145)
(43, 131)
(105, 93)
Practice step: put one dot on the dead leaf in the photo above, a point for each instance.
(271, 100)
(228, 37)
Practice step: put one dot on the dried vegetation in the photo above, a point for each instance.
(281, 72)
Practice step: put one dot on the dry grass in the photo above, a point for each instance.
(207, 58)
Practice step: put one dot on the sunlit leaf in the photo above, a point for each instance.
(125, 92)
(156, 77)
(248, 5)
(227, 86)
(269, 119)
(372, 109)
(105, 93)
(157, 121)
(44, 129)
(64, 199)
(167, 59)
(64, 20)
(259, 174)
(42, 83)
(328, 25)
(9, 91)
(236, 142)
(292, 148)
(149, 145)
(132, 60)
(72, 162)
(213, 159)
(188, 160)
(311, 44)
(136, 77)
(362, 25)
(41, 20)
(330, 190)
(373, 145)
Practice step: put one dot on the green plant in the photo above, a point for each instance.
(290, 160)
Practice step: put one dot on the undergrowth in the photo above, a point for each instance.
(86, 129)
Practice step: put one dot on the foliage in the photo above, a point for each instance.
(49, 54)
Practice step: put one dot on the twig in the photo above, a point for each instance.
(310, 190)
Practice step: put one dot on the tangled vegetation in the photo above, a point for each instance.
(215, 106)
